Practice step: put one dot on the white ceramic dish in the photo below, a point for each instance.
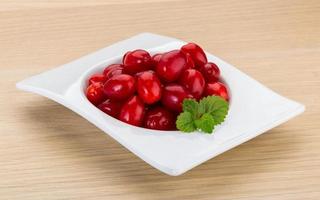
(251, 113)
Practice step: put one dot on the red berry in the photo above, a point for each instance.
(218, 89)
(149, 87)
(132, 111)
(171, 65)
(95, 93)
(193, 81)
(111, 67)
(190, 62)
(112, 70)
(120, 87)
(95, 78)
(173, 96)
(111, 107)
(134, 94)
(137, 61)
(210, 71)
(156, 58)
(160, 119)
(196, 52)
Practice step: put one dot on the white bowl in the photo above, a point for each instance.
(251, 113)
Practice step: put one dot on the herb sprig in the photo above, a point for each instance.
(203, 115)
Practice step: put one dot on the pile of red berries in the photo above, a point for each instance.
(148, 91)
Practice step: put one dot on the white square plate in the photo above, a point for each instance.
(251, 113)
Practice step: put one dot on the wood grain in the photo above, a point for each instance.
(48, 152)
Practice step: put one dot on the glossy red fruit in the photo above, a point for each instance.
(95, 78)
(190, 62)
(218, 89)
(196, 52)
(111, 68)
(120, 87)
(114, 72)
(137, 61)
(111, 107)
(149, 87)
(133, 111)
(156, 58)
(193, 81)
(210, 71)
(173, 96)
(160, 119)
(95, 93)
(171, 65)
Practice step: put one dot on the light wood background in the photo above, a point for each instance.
(48, 152)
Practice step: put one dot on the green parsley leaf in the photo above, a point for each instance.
(185, 122)
(205, 123)
(190, 106)
(216, 106)
(203, 116)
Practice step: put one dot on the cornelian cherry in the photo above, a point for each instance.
(190, 62)
(148, 87)
(173, 96)
(133, 111)
(95, 93)
(111, 107)
(113, 70)
(120, 87)
(156, 58)
(210, 71)
(148, 91)
(196, 52)
(193, 81)
(171, 65)
(218, 89)
(137, 61)
(95, 78)
(160, 119)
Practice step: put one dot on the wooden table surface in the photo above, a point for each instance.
(49, 152)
